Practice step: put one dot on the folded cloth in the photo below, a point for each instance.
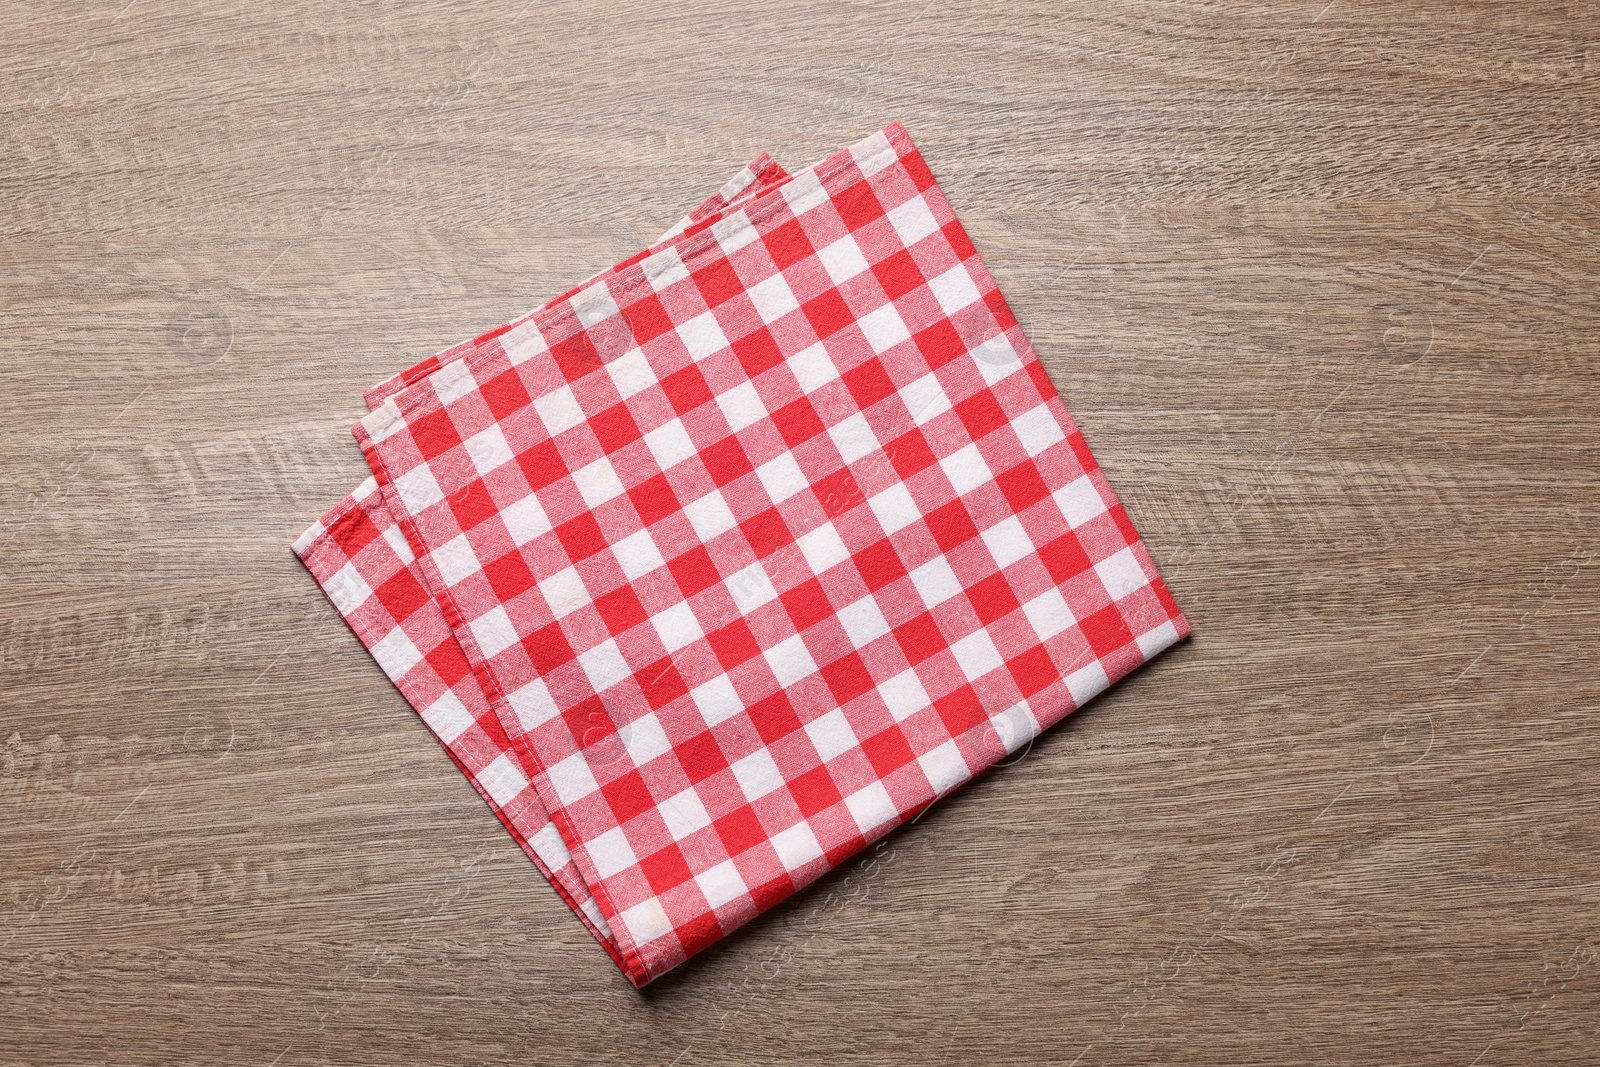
(759, 543)
(363, 563)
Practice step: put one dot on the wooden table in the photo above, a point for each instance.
(1317, 279)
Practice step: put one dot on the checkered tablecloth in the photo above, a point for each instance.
(719, 567)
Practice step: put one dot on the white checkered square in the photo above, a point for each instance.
(670, 444)
(604, 665)
(525, 520)
(863, 621)
(954, 289)
(702, 336)
(1087, 682)
(977, 655)
(913, 221)
(1049, 614)
(1037, 429)
(488, 450)
(684, 814)
(790, 661)
(452, 383)
(717, 700)
(611, 854)
(742, 406)
(734, 232)
(533, 704)
(782, 477)
(966, 469)
(448, 718)
(871, 807)
(751, 588)
(709, 515)
(572, 779)
(1121, 574)
(944, 767)
(796, 846)
(456, 560)
(598, 482)
(926, 399)
(805, 193)
(502, 779)
(894, 507)
(773, 299)
(677, 626)
(664, 269)
(645, 739)
(813, 368)
(904, 695)
(884, 328)
(630, 372)
(721, 884)
(494, 632)
(853, 437)
(1080, 501)
(831, 735)
(564, 592)
(647, 921)
(842, 259)
(560, 411)
(873, 154)
(823, 548)
(1153, 641)
(757, 774)
(935, 581)
(396, 654)
(1008, 541)
(418, 490)
(347, 589)
(637, 554)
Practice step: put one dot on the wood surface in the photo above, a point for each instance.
(1318, 281)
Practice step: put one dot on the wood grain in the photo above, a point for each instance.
(1317, 279)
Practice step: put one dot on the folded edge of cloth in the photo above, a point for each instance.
(359, 558)
(885, 341)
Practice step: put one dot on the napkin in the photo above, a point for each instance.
(754, 546)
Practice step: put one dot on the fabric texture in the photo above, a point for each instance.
(751, 547)
(361, 560)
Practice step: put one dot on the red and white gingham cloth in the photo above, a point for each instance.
(718, 568)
